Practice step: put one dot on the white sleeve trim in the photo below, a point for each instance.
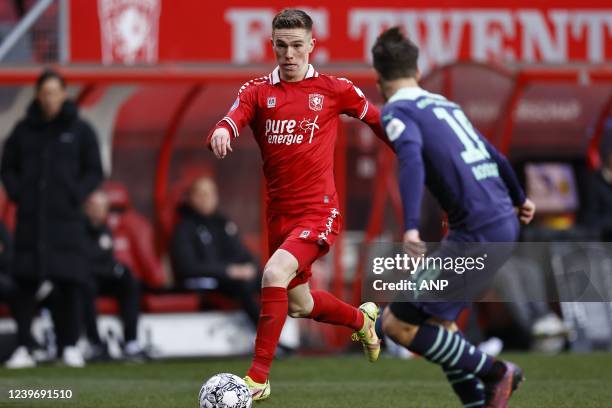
(365, 110)
(232, 124)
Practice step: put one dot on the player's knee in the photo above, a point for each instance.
(391, 329)
(400, 332)
(298, 310)
(276, 274)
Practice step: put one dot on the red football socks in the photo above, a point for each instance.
(274, 307)
(329, 309)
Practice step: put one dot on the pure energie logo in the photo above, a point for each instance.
(290, 131)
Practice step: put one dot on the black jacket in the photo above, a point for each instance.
(100, 256)
(205, 246)
(48, 169)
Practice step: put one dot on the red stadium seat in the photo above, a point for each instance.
(166, 303)
(172, 303)
(106, 305)
(213, 300)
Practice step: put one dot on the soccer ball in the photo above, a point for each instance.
(225, 391)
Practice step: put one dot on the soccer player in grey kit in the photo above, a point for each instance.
(438, 147)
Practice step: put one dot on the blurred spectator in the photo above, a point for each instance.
(598, 213)
(207, 252)
(109, 278)
(50, 164)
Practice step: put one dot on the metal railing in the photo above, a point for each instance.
(46, 24)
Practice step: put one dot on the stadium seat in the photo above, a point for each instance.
(213, 300)
(107, 305)
(172, 303)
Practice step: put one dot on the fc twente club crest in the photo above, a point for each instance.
(129, 30)
(315, 102)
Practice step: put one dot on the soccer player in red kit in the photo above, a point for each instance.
(294, 113)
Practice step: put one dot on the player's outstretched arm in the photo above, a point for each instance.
(220, 142)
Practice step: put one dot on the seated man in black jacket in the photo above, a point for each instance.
(109, 278)
(207, 252)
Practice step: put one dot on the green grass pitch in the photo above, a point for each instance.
(570, 380)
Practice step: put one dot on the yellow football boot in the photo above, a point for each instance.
(367, 335)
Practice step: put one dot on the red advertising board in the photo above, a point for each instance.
(150, 31)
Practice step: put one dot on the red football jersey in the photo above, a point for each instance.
(295, 125)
